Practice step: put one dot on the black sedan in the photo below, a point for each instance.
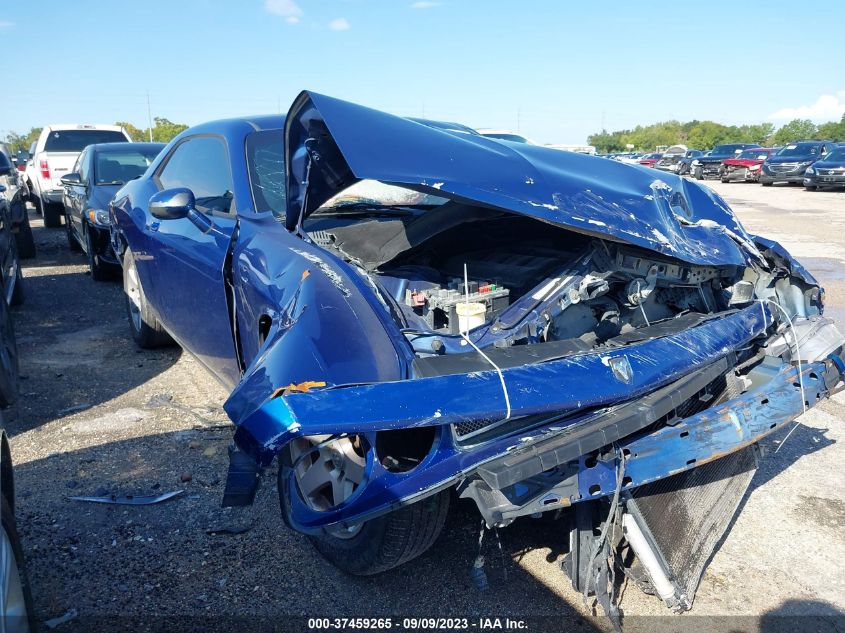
(99, 172)
(790, 163)
(827, 172)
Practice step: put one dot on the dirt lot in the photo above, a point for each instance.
(99, 417)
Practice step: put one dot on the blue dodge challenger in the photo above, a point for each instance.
(405, 311)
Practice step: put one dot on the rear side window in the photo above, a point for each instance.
(265, 159)
(201, 164)
(77, 140)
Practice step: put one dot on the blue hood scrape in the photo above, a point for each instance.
(332, 144)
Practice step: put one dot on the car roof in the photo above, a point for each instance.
(119, 146)
(256, 122)
(82, 126)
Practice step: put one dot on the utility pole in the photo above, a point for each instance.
(149, 117)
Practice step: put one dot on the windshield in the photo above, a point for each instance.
(836, 156)
(117, 168)
(372, 193)
(800, 149)
(726, 150)
(753, 154)
(77, 140)
(516, 138)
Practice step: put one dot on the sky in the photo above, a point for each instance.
(553, 70)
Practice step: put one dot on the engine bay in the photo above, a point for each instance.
(529, 282)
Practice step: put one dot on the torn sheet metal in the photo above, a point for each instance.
(130, 500)
(587, 194)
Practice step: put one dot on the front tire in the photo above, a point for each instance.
(52, 214)
(766, 184)
(810, 187)
(367, 548)
(146, 330)
(72, 243)
(99, 271)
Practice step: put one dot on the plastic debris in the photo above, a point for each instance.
(130, 500)
(69, 615)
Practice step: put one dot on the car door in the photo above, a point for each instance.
(190, 253)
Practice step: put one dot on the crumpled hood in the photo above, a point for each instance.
(331, 144)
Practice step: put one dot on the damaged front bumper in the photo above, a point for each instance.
(629, 392)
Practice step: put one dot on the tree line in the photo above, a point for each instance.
(162, 132)
(707, 134)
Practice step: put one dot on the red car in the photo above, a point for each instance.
(745, 167)
(650, 160)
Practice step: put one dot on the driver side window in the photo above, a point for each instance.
(201, 163)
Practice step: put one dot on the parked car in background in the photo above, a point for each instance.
(649, 160)
(11, 279)
(96, 176)
(709, 165)
(53, 155)
(504, 135)
(16, 613)
(384, 357)
(792, 160)
(678, 159)
(827, 172)
(15, 195)
(746, 166)
(631, 158)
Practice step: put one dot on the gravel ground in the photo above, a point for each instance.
(101, 417)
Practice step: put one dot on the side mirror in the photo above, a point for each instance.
(72, 178)
(7, 170)
(2, 188)
(172, 204)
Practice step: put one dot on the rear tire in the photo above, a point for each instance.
(52, 214)
(146, 330)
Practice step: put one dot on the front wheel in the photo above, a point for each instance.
(810, 187)
(99, 270)
(328, 473)
(146, 330)
(72, 243)
(766, 184)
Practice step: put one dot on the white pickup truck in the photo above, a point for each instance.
(54, 154)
